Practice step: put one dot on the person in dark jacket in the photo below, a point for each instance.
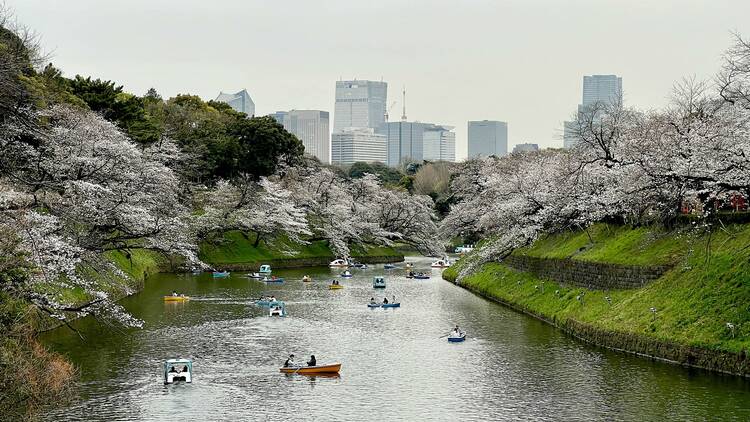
(289, 362)
(312, 361)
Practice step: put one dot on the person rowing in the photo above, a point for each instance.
(312, 361)
(385, 301)
(290, 362)
(372, 301)
(456, 332)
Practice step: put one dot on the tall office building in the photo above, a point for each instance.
(525, 148)
(239, 101)
(487, 137)
(597, 89)
(405, 141)
(360, 104)
(439, 143)
(357, 144)
(601, 89)
(311, 127)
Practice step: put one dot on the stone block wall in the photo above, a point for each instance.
(592, 275)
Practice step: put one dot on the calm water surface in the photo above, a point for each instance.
(395, 365)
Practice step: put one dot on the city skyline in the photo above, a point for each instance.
(481, 80)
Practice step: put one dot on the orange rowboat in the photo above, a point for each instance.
(313, 370)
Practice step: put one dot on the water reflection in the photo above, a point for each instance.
(395, 363)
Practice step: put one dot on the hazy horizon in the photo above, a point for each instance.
(515, 61)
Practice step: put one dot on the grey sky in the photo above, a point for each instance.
(517, 60)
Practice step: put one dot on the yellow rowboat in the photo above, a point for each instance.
(313, 370)
(176, 298)
(335, 286)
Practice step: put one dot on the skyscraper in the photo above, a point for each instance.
(605, 89)
(239, 101)
(405, 141)
(597, 89)
(487, 137)
(311, 127)
(360, 104)
(439, 143)
(357, 144)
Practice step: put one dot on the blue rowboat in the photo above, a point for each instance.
(389, 266)
(374, 305)
(273, 280)
(220, 274)
(421, 277)
(457, 339)
(391, 305)
(346, 274)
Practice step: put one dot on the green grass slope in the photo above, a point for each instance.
(708, 287)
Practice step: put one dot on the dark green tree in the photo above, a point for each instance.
(263, 145)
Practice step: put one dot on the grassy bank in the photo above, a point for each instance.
(708, 287)
(235, 250)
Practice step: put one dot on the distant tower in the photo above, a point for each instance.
(403, 116)
(239, 101)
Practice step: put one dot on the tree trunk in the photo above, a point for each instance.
(257, 240)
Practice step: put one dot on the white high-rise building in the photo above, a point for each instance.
(439, 143)
(311, 127)
(357, 144)
(487, 137)
(597, 89)
(360, 104)
(239, 101)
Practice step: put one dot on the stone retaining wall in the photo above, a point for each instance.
(592, 275)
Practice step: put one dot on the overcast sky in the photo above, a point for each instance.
(519, 61)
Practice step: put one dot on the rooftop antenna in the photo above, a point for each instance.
(403, 116)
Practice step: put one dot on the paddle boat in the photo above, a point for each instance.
(456, 338)
(265, 269)
(306, 279)
(254, 276)
(178, 370)
(389, 267)
(339, 263)
(277, 309)
(332, 368)
(441, 263)
(378, 283)
(220, 274)
(409, 265)
(346, 274)
(178, 298)
(273, 279)
(335, 285)
(391, 305)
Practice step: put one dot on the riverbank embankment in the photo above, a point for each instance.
(677, 295)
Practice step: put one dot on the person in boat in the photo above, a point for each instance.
(372, 301)
(290, 361)
(456, 332)
(174, 293)
(312, 361)
(393, 300)
(411, 273)
(273, 299)
(172, 369)
(385, 301)
(184, 368)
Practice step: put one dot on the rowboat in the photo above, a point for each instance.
(389, 266)
(441, 263)
(378, 283)
(335, 286)
(171, 298)
(391, 305)
(333, 368)
(346, 274)
(220, 274)
(256, 276)
(374, 305)
(306, 279)
(421, 277)
(273, 279)
(458, 339)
